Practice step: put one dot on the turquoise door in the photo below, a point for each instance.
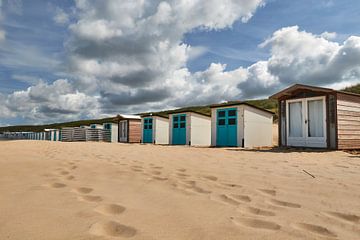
(55, 132)
(226, 132)
(148, 130)
(60, 135)
(179, 129)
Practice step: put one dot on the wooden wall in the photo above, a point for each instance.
(134, 131)
(348, 121)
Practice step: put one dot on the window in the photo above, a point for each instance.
(150, 120)
(221, 122)
(176, 118)
(145, 127)
(176, 125)
(145, 121)
(182, 125)
(232, 121)
(182, 118)
(150, 127)
(232, 113)
(221, 114)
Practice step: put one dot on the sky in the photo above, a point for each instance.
(82, 59)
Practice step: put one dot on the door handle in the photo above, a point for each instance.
(306, 121)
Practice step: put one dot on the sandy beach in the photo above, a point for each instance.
(53, 190)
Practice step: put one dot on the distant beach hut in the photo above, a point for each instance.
(318, 117)
(96, 126)
(129, 128)
(155, 129)
(111, 132)
(67, 134)
(189, 128)
(239, 124)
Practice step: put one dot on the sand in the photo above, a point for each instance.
(52, 190)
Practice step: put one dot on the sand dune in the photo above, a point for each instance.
(100, 191)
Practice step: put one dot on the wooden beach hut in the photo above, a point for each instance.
(318, 117)
(239, 124)
(189, 128)
(129, 127)
(155, 129)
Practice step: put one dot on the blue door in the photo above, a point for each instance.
(148, 130)
(179, 129)
(226, 132)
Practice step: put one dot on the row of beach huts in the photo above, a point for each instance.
(308, 117)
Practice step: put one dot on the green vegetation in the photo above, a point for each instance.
(267, 104)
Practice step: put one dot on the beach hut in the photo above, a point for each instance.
(189, 128)
(129, 127)
(318, 117)
(239, 124)
(96, 126)
(155, 129)
(67, 134)
(111, 132)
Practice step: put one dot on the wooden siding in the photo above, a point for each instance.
(348, 120)
(134, 131)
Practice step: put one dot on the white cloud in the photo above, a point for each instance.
(58, 100)
(61, 17)
(129, 56)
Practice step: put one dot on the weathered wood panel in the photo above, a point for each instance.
(134, 131)
(348, 112)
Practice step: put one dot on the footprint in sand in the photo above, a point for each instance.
(73, 167)
(64, 172)
(181, 170)
(341, 166)
(182, 175)
(258, 224)
(344, 216)
(268, 191)
(198, 189)
(160, 178)
(110, 209)
(112, 229)
(285, 204)
(243, 198)
(225, 199)
(318, 230)
(258, 211)
(83, 190)
(209, 177)
(157, 167)
(57, 185)
(89, 198)
(156, 172)
(71, 177)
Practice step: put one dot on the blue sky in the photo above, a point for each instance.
(38, 50)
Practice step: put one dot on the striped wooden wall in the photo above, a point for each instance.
(348, 121)
(134, 131)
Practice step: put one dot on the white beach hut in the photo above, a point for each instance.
(155, 129)
(239, 124)
(189, 128)
(111, 132)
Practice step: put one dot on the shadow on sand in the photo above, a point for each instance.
(281, 150)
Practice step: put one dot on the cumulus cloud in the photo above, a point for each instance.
(55, 101)
(129, 56)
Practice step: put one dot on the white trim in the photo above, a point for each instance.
(305, 140)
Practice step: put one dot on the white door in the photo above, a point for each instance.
(306, 122)
(123, 131)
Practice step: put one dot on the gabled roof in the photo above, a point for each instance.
(189, 111)
(238, 103)
(127, 116)
(154, 115)
(288, 91)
